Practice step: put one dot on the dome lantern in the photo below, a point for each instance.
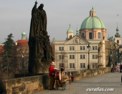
(92, 12)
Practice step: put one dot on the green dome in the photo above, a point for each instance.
(23, 33)
(92, 22)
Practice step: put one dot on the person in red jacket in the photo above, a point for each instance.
(52, 75)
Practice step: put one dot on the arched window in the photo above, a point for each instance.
(83, 35)
(90, 35)
(70, 36)
(99, 35)
(118, 41)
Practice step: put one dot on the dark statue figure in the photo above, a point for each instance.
(40, 52)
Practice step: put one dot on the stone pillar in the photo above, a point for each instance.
(103, 58)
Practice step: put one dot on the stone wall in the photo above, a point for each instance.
(91, 73)
(31, 84)
(24, 85)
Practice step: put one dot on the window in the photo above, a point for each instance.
(83, 35)
(70, 36)
(94, 65)
(82, 56)
(90, 35)
(71, 48)
(61, 56)
(72, 65)
(72, 57)
(94, 47)
(82, 47)
(61, 65)
(99, 35)
(61, 48)
(94, 56)
(82, 65)
(118, 41)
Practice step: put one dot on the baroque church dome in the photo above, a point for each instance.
(92, 22)
(93, 28)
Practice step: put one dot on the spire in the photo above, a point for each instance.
(92, 12)
(117, 32)
(77, 32)
(117, 29)
(70, 33)
(69, 29)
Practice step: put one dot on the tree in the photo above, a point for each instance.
(9, 54)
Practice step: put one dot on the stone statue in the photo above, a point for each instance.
(39, 45)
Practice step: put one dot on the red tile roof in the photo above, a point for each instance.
(22, 42)
(1, 49)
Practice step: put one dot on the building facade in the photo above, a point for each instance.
(22, 51)
(85, 49)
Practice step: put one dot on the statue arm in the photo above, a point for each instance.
(34, 7)
(35, 4)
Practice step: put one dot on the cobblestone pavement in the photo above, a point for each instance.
(95, 85)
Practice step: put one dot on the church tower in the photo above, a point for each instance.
(70, 33)
(118, 38)
(93, 28)
(23, 36)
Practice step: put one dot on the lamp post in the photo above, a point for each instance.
(88, 56)
(117, 52)
(98, 57)
(110, 63)
(120, 61)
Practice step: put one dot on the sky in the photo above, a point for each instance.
(15, 16)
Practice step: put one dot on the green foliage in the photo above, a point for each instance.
(9, 54)
(9, 47)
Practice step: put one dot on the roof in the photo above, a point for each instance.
(1, 49)
(92, 22)
(70, 29)
(22, 42)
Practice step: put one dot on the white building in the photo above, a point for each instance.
(74, 54)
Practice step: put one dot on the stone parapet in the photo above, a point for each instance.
(32, 84)
(24, 85)
(91, 73)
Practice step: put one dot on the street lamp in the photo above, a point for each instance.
(110, 58)
(117, 53)
(120, 61)
(88, 55)
(98, 57)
